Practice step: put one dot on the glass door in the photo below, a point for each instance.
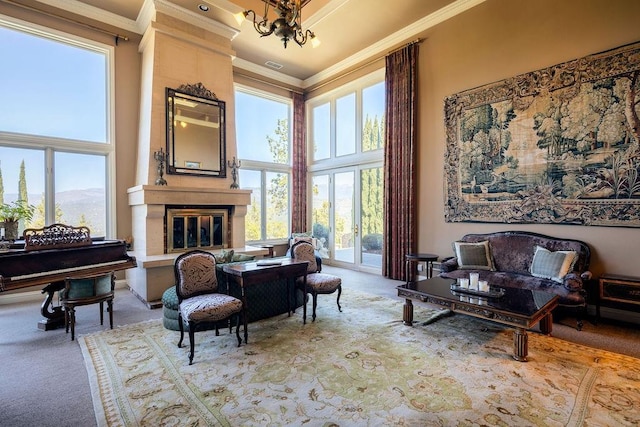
(347, 217)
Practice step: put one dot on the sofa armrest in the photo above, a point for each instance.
(449, 264)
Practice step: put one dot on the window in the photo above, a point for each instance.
(55, 126)
(264, 147)
(346, 139)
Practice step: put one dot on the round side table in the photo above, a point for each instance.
(428, 260)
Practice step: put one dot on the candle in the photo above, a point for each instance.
(473, 281)
(483, 285)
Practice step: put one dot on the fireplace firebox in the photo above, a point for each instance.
(197, 228)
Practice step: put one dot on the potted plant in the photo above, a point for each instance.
(12, 213)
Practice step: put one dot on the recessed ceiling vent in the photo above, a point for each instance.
(273, 65)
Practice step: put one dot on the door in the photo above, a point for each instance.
(347, 216)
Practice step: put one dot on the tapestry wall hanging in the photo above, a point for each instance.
(555, 146)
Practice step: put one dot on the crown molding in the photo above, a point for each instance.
(328, 9)
(94, 13)
(266, 72)
(185, 15)
(394, 39)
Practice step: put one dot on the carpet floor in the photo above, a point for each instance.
(361, 367)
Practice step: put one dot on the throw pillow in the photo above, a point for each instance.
(552, 265)
(242, 257)
(473, 256)
(224, 256)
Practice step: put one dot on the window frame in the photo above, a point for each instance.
(359, 157)
(50, 145)
(265, 167)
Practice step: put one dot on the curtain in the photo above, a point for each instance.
(400, 205)
(299, 170)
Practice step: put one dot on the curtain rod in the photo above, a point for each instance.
(73, 21)
(323, 84)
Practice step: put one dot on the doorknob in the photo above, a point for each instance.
(355, 230)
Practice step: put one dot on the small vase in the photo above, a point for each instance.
(11, 230)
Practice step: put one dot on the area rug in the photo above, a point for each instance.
(361, 367)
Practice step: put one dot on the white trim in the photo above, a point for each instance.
(94, 13)
(267, 72)
(196, 19)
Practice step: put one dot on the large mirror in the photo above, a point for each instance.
(195, 132)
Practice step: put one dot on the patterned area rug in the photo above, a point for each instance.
(361, 367)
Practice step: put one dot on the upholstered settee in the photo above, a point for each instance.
(264, 301)
(525, 260)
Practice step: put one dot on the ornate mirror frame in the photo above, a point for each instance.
(196, 132)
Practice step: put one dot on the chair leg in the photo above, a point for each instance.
(315, 304)
(582, 312)
(72, 321)
(338, 300)
(181, 329)
(304, 308)
(237, 328)
(192, 338)
(101, 313)
(66, 319)
(110, 310)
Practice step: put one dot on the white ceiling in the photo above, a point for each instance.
(351, 31)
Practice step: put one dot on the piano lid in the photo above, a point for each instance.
(20, 268)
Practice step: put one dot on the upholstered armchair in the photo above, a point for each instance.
(85, 290)
(198, 296)
(316, 282)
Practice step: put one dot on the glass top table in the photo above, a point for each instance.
(519, 308)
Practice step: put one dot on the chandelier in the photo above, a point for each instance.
(288, 25)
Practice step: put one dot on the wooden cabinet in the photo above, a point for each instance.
(621, 292)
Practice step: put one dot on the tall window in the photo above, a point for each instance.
(55, 126)
(264, 147)
(346, 145)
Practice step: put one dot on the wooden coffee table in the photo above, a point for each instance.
(520, 308)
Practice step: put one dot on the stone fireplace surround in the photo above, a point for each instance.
(154, 273)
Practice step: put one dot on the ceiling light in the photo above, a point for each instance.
(288, 25)
(203, 7)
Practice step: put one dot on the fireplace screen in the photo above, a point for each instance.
(196, 229)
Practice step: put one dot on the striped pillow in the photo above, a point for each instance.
(552, 265)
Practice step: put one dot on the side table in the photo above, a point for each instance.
(428, 260)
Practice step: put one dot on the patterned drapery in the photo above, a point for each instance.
(299, 170)
(400, 212)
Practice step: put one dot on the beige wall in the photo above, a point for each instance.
(493, 41)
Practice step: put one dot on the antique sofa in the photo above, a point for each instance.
(525, 260)
(265, 301)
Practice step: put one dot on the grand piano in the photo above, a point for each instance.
(48, 255)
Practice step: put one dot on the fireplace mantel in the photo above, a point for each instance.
(164, 195)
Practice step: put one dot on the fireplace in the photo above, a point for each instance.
(150, 206)
(196, 228)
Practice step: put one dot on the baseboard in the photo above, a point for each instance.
(625, 316)
(30, 296)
